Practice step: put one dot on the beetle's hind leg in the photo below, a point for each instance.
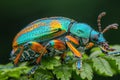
(17, 52)
(37, 48)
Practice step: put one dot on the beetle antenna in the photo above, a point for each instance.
(112, 26)
(99, 20)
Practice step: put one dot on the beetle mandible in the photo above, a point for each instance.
(60, 33)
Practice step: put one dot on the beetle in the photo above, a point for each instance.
(60, 33)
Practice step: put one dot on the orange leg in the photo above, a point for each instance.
(42, 52)
(32, 45)
(89, 45)
(37, 47)
(57, 44)
(70, 39)
(74, 50)
(63, 56)
(19, 55)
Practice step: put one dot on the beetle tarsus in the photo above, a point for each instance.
(32, 71)
(79, 64)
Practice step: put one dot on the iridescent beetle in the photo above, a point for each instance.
(59, 33)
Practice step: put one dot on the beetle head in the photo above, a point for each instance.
(97, 37)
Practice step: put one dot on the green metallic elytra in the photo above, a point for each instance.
(44, 30)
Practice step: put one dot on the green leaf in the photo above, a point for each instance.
(8, 71)
(112, 62)
(95, 49)
(102, 66)
(75, 76)
(95, 54)
(63, 72)
(42, 74)
(86, 72)
(24, 78)
(118, 62)
(84, 57)
(50, 63)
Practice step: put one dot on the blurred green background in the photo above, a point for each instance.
(16, 14)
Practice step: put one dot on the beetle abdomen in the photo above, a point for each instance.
(42, 29)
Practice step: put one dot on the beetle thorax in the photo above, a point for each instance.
(81, 30)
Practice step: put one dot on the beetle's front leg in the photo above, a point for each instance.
(68, 40)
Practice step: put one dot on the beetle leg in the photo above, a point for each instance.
(89, 45)
(63, 56)
(32, 45)
(18, 55)
(37, 47)
(72, 48)
(79, 63)
(42, 52)
(75, 51)
(72, 39)
(57, 44)
(32, 71)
